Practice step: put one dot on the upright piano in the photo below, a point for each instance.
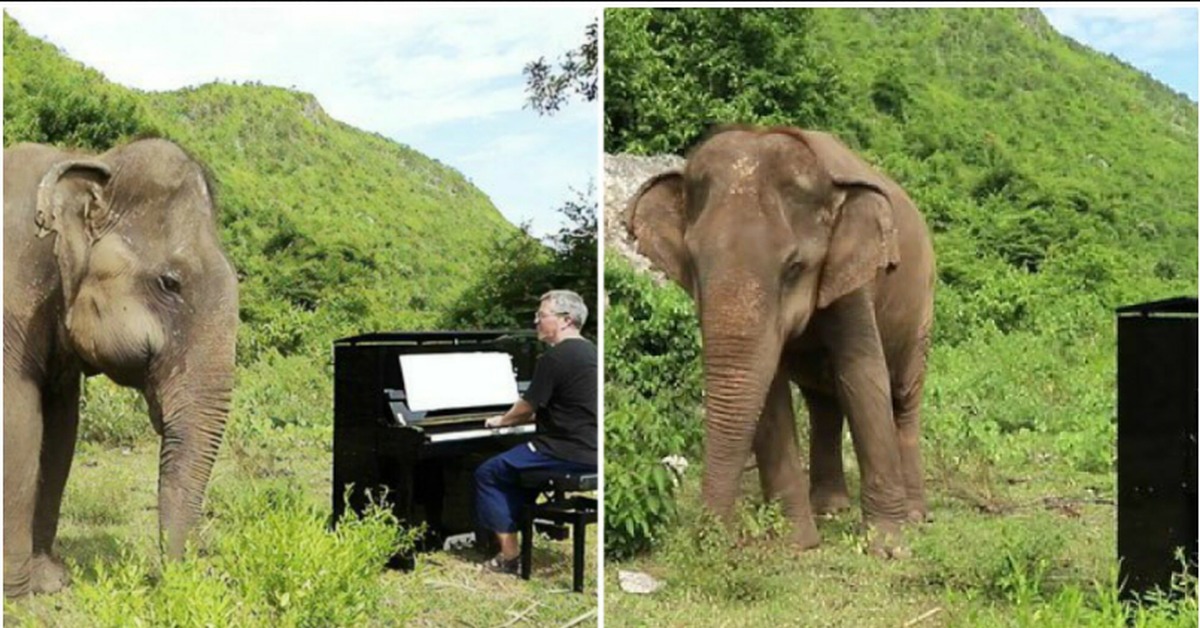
(408, 419)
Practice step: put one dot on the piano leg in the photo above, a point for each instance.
(527, 543)
(579, 538)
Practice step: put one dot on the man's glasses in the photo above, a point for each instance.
(537, 317)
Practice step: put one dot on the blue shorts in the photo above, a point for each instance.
(499, 497)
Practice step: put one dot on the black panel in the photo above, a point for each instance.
(1156, 441)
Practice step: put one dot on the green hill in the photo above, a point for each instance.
(333, 230)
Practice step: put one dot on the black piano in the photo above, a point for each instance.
(423, 445)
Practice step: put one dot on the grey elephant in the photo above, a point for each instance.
(806, 265)
(112, 265)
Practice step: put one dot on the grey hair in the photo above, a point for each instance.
(569, 303)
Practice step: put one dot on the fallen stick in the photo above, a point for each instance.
(520, 616)
(442, 583)
(580, 619)
(922, 617)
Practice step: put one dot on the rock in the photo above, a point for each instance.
(637, 582)
(623, 175)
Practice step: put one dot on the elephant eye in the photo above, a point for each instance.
(170, 283)
(793, 270)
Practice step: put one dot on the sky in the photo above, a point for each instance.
(1160, 41)
(446, 80)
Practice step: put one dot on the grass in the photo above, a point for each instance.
(1036, 548)
(264, 556)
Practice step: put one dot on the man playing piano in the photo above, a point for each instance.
(562, 396)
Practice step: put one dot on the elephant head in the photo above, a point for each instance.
(764, 228)
(151, 300)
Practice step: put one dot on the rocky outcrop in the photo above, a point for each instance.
(623, 175)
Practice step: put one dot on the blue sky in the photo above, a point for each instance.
(1158, 40)
(447, 80)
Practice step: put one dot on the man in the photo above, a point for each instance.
(562, 395)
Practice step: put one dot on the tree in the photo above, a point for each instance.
(549, 90)
(671, 75)
(521, 268)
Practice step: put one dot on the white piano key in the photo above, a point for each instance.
(483, 433)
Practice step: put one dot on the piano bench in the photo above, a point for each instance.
(559, 510)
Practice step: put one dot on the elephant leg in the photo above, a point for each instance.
(908, 429)
(829, 494)
(864, 393)
(58, 450)
(22, 447)
(907, 407)
(779, 467)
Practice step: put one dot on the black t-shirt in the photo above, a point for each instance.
(563, 393)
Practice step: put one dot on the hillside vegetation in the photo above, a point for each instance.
(1059, 184)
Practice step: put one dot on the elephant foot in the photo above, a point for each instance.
(48, 574)
(918, 512)
(804, 535)
(886, 540)
(828, 501)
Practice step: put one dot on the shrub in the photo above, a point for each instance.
(272, 562)
(652, 396)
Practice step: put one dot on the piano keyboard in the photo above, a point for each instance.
(528, 428)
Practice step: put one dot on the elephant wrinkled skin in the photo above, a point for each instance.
(112, 265)
(806, 266)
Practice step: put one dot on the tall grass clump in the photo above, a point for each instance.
(744, 563)
(271, 561)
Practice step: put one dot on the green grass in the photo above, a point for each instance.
(1041, 552)
(264, 556)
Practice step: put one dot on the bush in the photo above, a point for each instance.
(272, 562)
(520, 269)
(652, 405)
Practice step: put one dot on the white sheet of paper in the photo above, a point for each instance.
(445, 381)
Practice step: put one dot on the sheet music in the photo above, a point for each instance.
(445, 381)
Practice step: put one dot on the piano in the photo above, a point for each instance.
(408, 419)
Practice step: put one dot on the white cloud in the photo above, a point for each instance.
(1133, 34)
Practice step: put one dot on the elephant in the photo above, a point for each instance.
(112, 265)
(808, 266)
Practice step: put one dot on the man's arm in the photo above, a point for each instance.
(521, 412)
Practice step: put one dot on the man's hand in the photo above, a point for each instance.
(496, 421)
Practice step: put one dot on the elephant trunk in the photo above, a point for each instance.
(193, 425)
(741, 356)
(190, 396)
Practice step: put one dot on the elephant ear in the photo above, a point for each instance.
(864, 236)
(655, 220)
(72, 204)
